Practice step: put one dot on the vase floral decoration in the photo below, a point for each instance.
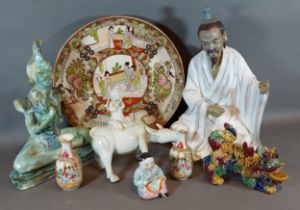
(180, 160)
(68, 166)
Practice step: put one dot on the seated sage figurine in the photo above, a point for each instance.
(42, 112)
(220, 87)
(149, 178)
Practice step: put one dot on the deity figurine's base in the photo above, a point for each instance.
(24, 181)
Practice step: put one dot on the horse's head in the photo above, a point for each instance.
(165, 135)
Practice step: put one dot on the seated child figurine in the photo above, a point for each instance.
(116, 106)
(149, 178)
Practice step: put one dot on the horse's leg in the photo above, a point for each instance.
(142, 138)
(106, 157)
(99, 161)
(105, 149)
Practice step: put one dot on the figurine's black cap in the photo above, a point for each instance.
(230, 128)
(144, 156)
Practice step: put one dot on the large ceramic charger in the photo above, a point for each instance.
(120, 52)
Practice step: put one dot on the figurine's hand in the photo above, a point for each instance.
(146, 182)
(264, 86)
(21, 105)
(215, 110)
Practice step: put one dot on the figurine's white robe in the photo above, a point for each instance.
(234, 86)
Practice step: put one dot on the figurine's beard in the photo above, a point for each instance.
(214, 56)
(213, 60)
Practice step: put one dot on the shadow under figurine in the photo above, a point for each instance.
(259, 169)
(149, 178)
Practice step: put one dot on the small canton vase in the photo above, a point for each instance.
(68, 168)
(180, 161)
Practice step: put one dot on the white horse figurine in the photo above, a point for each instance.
(106, 140)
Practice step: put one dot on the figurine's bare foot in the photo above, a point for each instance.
(114, 178)
(217, 180)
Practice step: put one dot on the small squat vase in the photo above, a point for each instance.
(180, 161)
(68, 168)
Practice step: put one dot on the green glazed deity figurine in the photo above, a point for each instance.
(35, 162)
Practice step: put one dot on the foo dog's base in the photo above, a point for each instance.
(24, 181)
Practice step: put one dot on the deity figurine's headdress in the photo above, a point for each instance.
(37, 63)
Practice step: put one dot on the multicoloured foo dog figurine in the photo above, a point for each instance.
(259, 169)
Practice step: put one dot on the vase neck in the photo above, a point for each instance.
(66, 150)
